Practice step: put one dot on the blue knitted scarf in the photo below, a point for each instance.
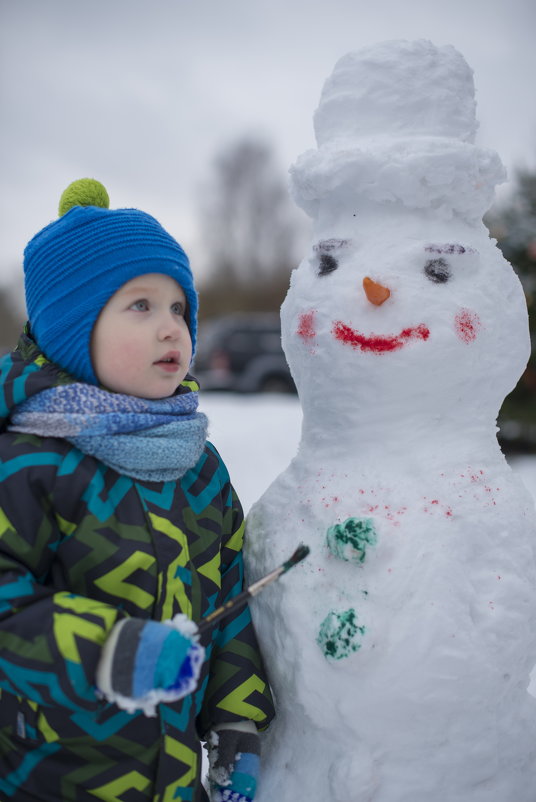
(154, 440)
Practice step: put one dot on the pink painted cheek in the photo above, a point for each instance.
(467, 324)
(306, 326)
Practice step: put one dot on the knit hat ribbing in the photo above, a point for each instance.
(74, 265)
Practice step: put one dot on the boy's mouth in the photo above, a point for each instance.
(169, 361)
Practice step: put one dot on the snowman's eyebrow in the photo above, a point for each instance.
(449, 248)
(327, 245)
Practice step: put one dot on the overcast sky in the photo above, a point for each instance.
(141, 94)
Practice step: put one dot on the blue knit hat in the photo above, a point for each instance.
(73, 266)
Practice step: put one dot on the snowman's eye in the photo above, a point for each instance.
(437, 270)
(327, 264)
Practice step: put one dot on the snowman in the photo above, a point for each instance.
(400, 650)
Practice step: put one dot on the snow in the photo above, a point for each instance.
(365, 95)
(258, 435)
(400, 666)
(379, 142)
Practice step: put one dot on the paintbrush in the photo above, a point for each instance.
(229, 607)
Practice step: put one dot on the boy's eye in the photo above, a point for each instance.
(178, 308)
(140, 306)
(328, 264)
(437, 270)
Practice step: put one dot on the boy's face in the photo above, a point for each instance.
(141, 344)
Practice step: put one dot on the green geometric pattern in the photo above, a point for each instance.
(80, 548)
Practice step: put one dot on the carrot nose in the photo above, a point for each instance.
(376, 293)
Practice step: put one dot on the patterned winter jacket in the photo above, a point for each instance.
(82, 546)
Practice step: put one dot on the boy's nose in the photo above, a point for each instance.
(169, 329)
(376, 293)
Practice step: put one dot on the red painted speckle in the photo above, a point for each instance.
(467, 324)
(437, 504)
(378, 344)
(306, 328)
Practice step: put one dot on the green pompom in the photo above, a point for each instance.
(84, 192)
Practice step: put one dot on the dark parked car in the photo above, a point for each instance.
(242, 353)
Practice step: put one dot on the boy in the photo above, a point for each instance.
(118, 529)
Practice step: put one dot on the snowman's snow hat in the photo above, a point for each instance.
(396, 122)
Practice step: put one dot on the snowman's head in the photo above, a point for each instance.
(396, 321)
(403, 306)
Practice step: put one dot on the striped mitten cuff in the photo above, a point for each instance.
(147, 662)
(234, 757)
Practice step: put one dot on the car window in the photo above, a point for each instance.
(254, 341)
(270, 341)
(242, 341)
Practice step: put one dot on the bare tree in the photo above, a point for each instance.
(11, 321)
(251, 231)
(513, 224)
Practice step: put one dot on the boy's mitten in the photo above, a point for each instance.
(147, 662)
(234, 759)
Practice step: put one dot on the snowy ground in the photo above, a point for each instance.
(257, 436)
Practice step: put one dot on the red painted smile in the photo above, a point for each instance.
(379, 344)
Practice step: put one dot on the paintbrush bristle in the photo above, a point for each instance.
(301, 552)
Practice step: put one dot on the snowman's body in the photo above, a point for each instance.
(400, 650)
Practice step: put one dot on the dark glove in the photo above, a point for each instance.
(234, 758)
(147, 662)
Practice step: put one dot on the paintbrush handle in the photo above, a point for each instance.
(239, 601)
(222, 612)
